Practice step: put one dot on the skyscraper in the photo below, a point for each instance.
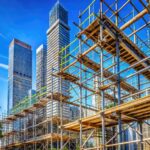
(41, 57)
(20, 72)
(57, 37)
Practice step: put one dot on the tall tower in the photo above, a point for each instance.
(20, 72)
(41, 60)
(57, 37)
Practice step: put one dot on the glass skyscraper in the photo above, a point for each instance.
(41, 60)
(57, 38)
(20, 72)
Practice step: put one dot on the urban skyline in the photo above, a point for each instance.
(41, 67)
(92, 82)
(58, 36)
(42, 17)
(20, 72)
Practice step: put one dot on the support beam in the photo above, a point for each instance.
(137, 17)
(141, 136)
(118, 92)
(88, 138)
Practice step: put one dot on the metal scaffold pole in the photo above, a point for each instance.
(102, 75)
(119, 93)
(118, 79)
(52, 90)
(61, 115)
(80, 88)
(141, 135)
(103, 103)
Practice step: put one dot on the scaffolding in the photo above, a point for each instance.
(108, 72)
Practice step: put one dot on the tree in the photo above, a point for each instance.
(1, 134)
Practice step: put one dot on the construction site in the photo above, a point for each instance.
(106, 70)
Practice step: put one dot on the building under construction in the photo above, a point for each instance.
(108, 73)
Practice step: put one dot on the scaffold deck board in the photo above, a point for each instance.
(108, 96)
(20, 115)
(89, 63)
(96, 67)
(58, 96)
(49, 136)
(67, 76)
(16, 144)
(129, 52)
(44, 101)
(128, 111)
(28, 111)
(11, 118)
(10, 133)
(38, 105)
(41, 138)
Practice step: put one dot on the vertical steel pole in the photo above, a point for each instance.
(51, 107)
(119, 93)
(134, 35)
(148, 28)
(25, 120)
(114, 90)
(103, 103)
(33, 124)
(116, 7)
(57, 139)
(80, 76)
(118, 81)
(61, 115)
(140, 123)
(102, 76)
(35, 134)
(138, 83)
(141, 136)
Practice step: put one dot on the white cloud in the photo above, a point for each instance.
(3, 79)
(4, 37)
(4, 57)
(4, 66)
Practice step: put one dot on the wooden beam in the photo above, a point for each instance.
(130, 117)
(89, 50)
(128, 142)
(137, 17)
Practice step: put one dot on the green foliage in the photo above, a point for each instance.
(110, 105)
(1, 135)
(77, 147)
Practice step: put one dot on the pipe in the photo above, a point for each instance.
(137, 17)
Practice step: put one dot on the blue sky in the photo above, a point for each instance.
(28, 21)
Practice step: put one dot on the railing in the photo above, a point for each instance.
(29, 101)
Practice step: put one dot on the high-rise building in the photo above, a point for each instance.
(41, 65)
(20, 72)
(57, 38)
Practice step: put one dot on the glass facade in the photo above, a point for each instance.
(41, 59)
(20, 72)
(57, 37)
(58, 13)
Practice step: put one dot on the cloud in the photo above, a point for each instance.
(3, 57)
(4, 79)
(4, 37)
(4, 66)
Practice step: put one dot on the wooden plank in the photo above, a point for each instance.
(128, 105)
(67, 76)
(135, 18)
(134, 52)
(58, 96)
(96, 119)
